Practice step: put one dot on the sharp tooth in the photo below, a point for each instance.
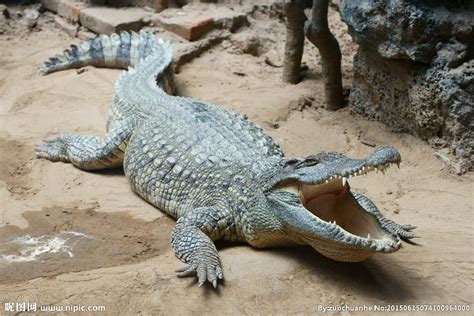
(327, 181)
(368, 236)
(344, 181)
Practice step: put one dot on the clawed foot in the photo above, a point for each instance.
(404, 231)
(54, 150)
(204, 271)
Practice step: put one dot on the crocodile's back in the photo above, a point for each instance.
(189, 148)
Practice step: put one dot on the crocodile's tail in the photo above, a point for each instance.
(108, 51)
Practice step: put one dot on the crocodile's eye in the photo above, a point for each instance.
(311, 160)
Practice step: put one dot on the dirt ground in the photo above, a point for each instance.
(69, 237)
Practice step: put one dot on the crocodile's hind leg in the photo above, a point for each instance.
(88, 152)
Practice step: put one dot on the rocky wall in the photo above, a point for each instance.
(414, 69)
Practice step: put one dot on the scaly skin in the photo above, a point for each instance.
(216, 172)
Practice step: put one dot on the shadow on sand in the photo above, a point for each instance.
(370, 278)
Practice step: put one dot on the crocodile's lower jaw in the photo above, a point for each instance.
(339, 251)
(362, 234)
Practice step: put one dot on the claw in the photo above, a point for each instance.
(210, 274)
(408, 227)
(186, 271)
(406, 234)
(201, 273)
(182, 269)
(219, 273)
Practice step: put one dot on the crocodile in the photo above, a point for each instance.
(216, 172)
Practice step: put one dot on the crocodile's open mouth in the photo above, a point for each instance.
(339, 211)
(333, 203)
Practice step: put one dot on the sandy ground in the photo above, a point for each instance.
(69, 237)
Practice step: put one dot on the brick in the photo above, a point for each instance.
(194, 20)
(190, 29)
(70, 9)
(111, 20)
(51, 5)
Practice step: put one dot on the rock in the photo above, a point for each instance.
(71, 9)
(4, 11)
(160, 5)
(67, 27)
(368, 143)
(273, 58)
(226, 18)
(414, 68)
(247, 43)
(190, 28)
(300, 104)
(31, 14)
(458, 168)
(185, 52)
(30, 23)
(84, 34)
(111, 20)
(51, 5)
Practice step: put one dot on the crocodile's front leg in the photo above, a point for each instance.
(88, 152)
(192, 241)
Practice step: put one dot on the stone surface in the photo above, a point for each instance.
(70, 9)
(414, 69)
(84, 34)
(68, 28)
(185, 52)
(4, 11)
(51, 5)
(190, 28)
(247, 43)
(194, 20)
(231, 19)
(157, 5)
(109, 20)
(30, 13)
